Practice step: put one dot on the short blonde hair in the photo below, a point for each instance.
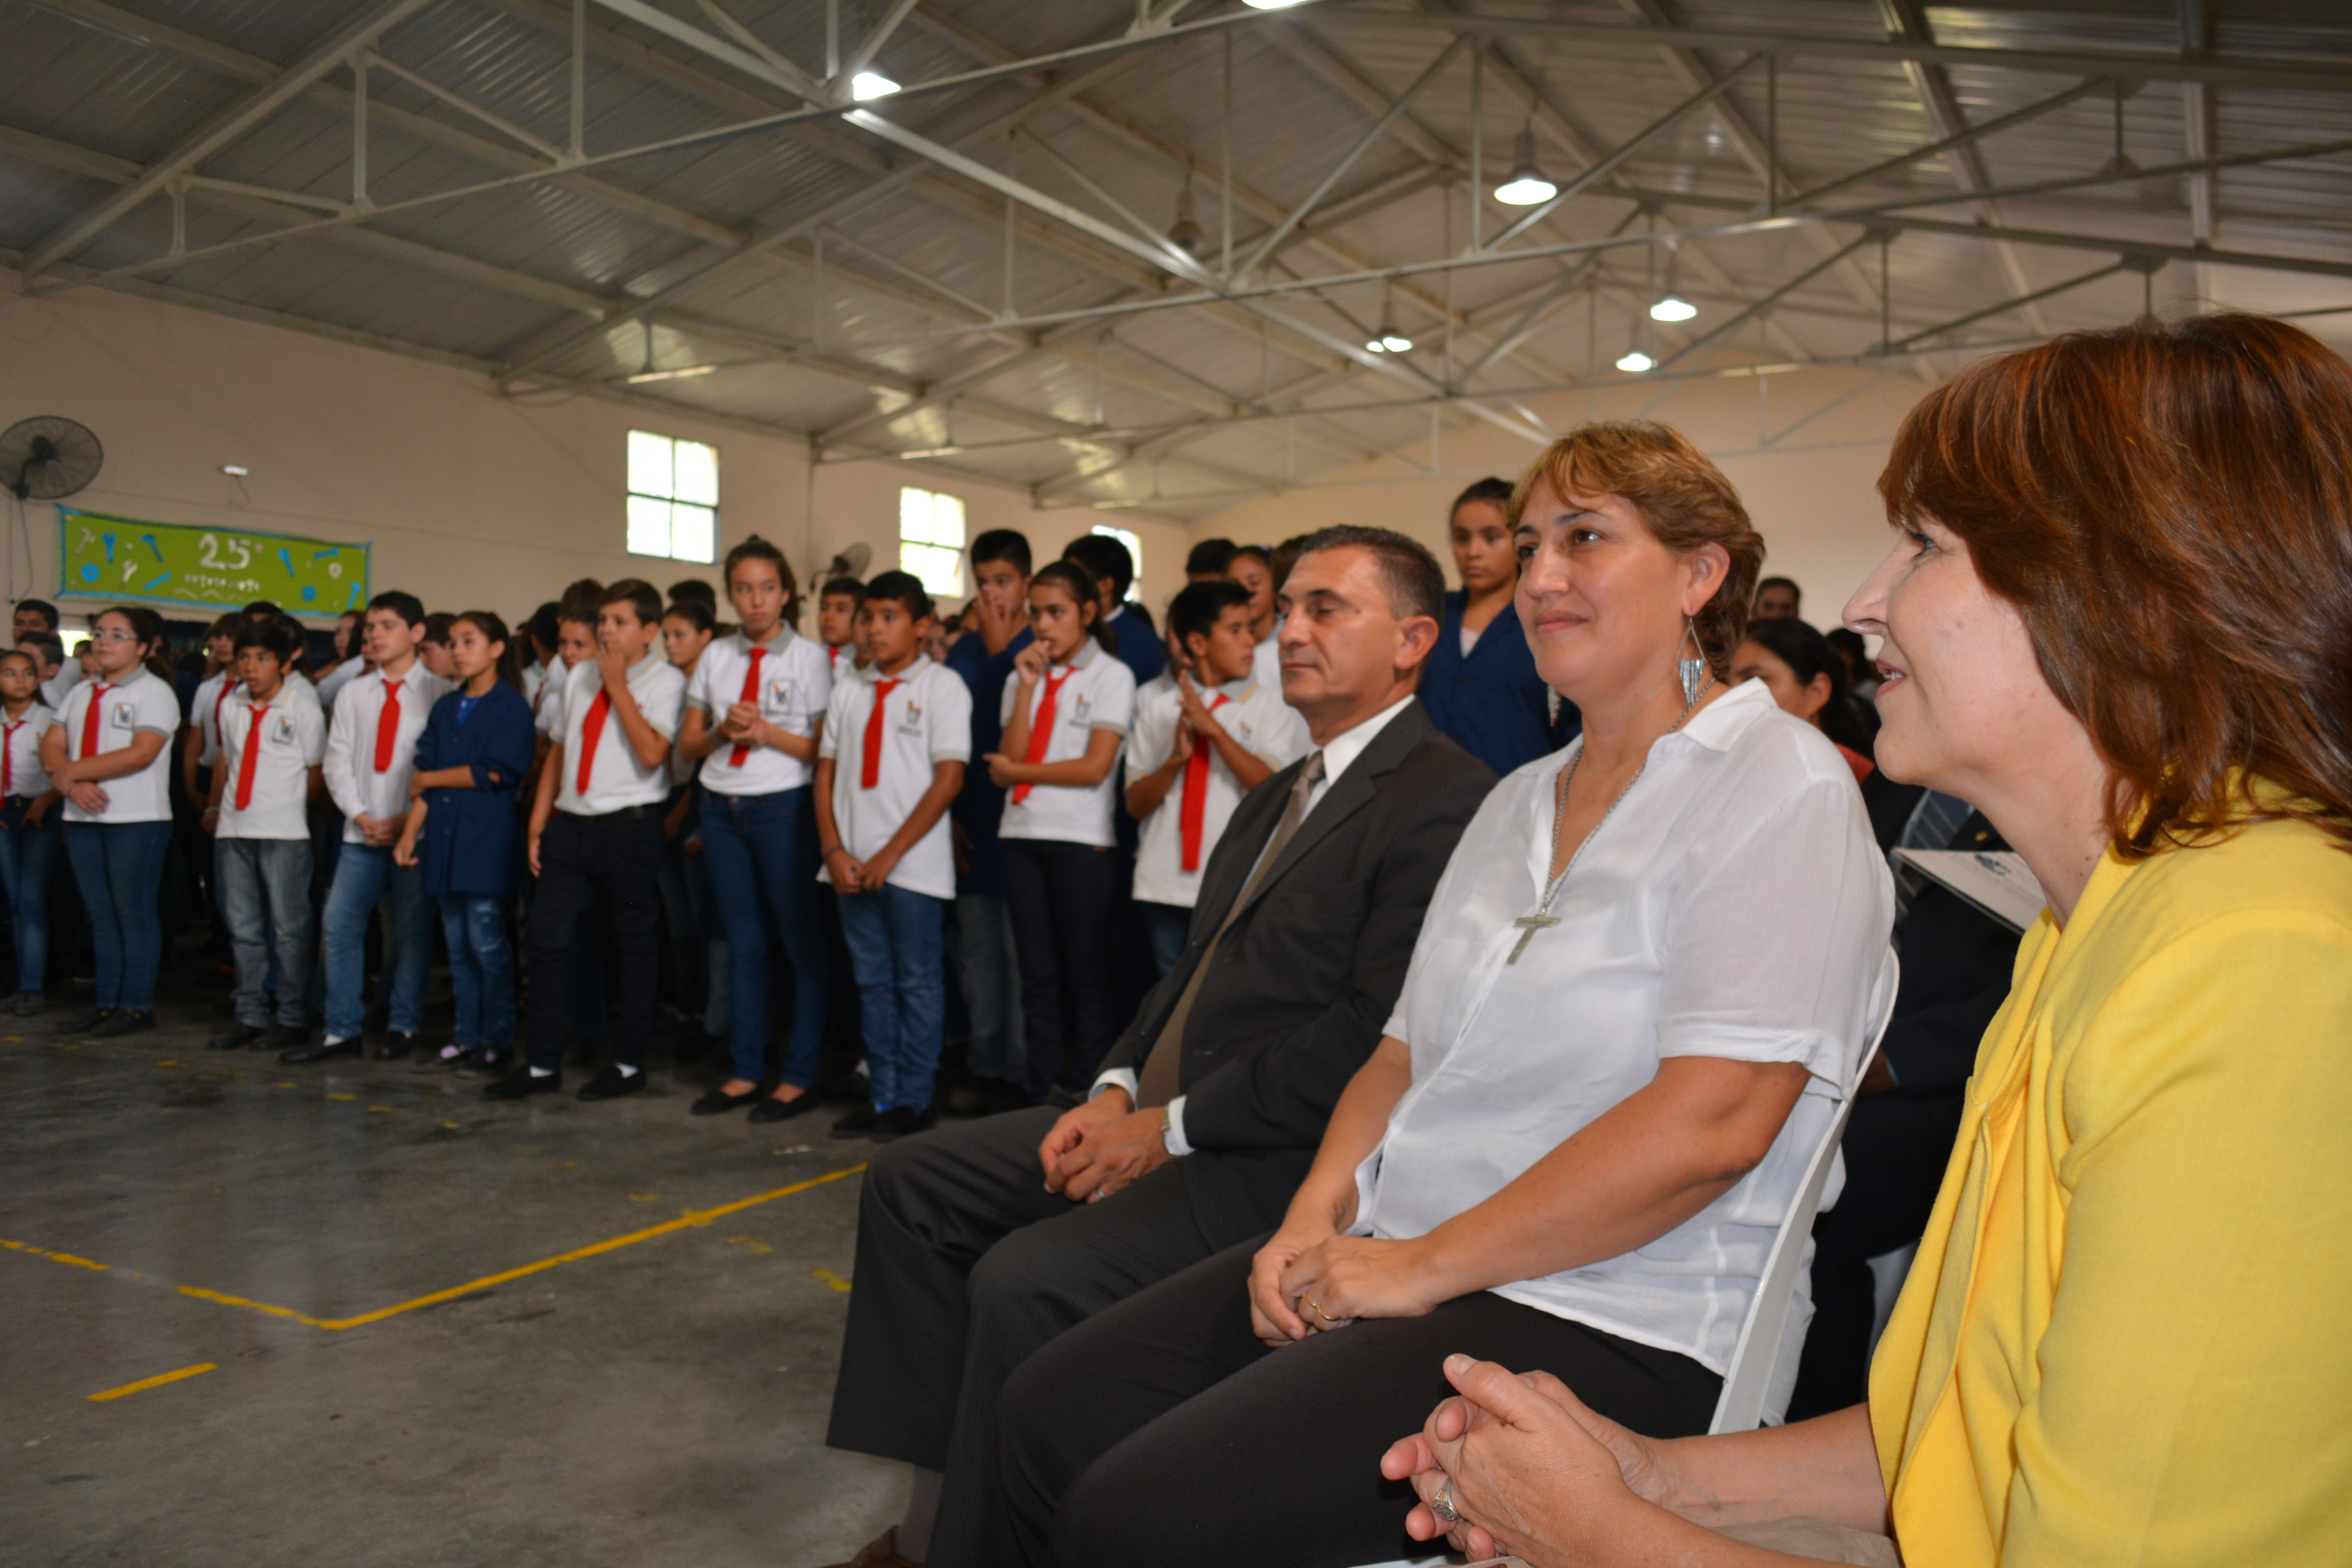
(1682, 497)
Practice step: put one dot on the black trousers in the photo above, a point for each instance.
(614, 860)
(1160, 1432)
(1060, 897)
(1896, 1151)
(966, 1266)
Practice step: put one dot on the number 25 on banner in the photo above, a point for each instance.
(206, 568)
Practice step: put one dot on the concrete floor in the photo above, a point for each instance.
(660, 1402)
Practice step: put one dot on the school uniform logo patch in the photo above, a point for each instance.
(1081, 711)
(123, 716)
(911, 722)
(281, 730)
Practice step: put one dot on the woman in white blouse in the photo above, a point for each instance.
(1638, 994)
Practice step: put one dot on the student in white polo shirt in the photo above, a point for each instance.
(273, 739)
(109, 752)
(1208, 736)
(371, 749)
(596, 839)
(753, 718)
(1066, 711)
(1253, 568)
(889, 767)
(31, 825)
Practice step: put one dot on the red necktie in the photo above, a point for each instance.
(592, 730)
(252, 755)
(751, 694)
(871, 773)
(1041, 728)
(8, 759)
(1196, 793)
(90, 722)
(387, 727)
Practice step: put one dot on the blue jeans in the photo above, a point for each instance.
(27, 856)
(264, 896)
(897, 945)
(361, 874)
(760, 852)
(118, 867)
(481, 970)
(1164, 926)
(991, 987)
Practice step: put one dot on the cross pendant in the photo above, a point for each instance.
(1528, 925)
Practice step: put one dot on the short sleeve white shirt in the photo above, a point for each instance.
(1266, 727)
(352, 778)
(292, 739)
(204, 713)
(617, 779)
(331, 684)
(547, 710)
(1733, 905)
(795, 683)
(141, 704)
(1266, 663)
(20, 743)
(926, 719)
(1097, 692)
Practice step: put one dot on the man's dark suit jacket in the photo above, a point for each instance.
(1304, 980)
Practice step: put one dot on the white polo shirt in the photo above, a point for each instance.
(617, 780)
(331, 684)
(1266, 663)
(141, 703)
(547, 706)
(926, 719)
(1097, 692)
(352, 778)
(204, 713)
(1268, 729)
(795, 683)
(20, 742)
(293, 738)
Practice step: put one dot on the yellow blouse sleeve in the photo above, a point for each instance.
(2195, 1376)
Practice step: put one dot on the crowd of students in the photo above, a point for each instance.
(999, 816)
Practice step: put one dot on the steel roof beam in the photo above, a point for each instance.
(226, 127)
(1717, 334)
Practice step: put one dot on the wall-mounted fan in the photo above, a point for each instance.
(48, 459)
(850, 563)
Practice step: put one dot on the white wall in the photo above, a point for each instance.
(1809, 491)
(469, 500)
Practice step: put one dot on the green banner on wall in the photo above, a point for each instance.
(174, 564)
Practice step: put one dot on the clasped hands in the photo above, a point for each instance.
(1099, 1147)
(1309, 1279)
(1529, 1468)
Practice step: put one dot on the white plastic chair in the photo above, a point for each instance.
(1764, 1362)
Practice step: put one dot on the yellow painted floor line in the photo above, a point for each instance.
(147, 1382)
(690, 1219)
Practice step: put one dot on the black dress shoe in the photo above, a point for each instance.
(988, 1097)
(523, 1083)
(394, 1047)
(485, 1063)
(900, 1121)
(85, 1023)
(858, 1123)
(125, 1021)
(236, 1037)
(325, 1050)
(612, 1083)
(771, 1109)
(718, 1102)
(282, 1037)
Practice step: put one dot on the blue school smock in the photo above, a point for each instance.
(469, 837)
(1492, 702)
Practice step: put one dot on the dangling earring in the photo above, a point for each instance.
(1694, 671)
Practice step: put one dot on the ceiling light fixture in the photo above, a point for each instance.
(643, 376)
(1270, 5)
(1527, 187)
(235, 470)
(1635, 361)
(1187, 234)
(871, 84)
(1389, 339)
(1671, 306)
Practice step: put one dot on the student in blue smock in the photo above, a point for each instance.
(1480, 684)
(476, 747)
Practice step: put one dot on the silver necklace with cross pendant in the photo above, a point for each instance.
(1542, 917)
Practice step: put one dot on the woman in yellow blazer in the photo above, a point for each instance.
(2119, 623)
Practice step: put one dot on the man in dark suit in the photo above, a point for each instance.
(1211, 1104)
(1957, 961)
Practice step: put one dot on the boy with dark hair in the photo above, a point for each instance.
(998, 561)
(1204, 739)
(371, 749)
(905, 736)
(273, 741)
(1106, 561)
(49, 653)
(697, 590)
(837, 623)
(1208, 561)
(596, 838)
